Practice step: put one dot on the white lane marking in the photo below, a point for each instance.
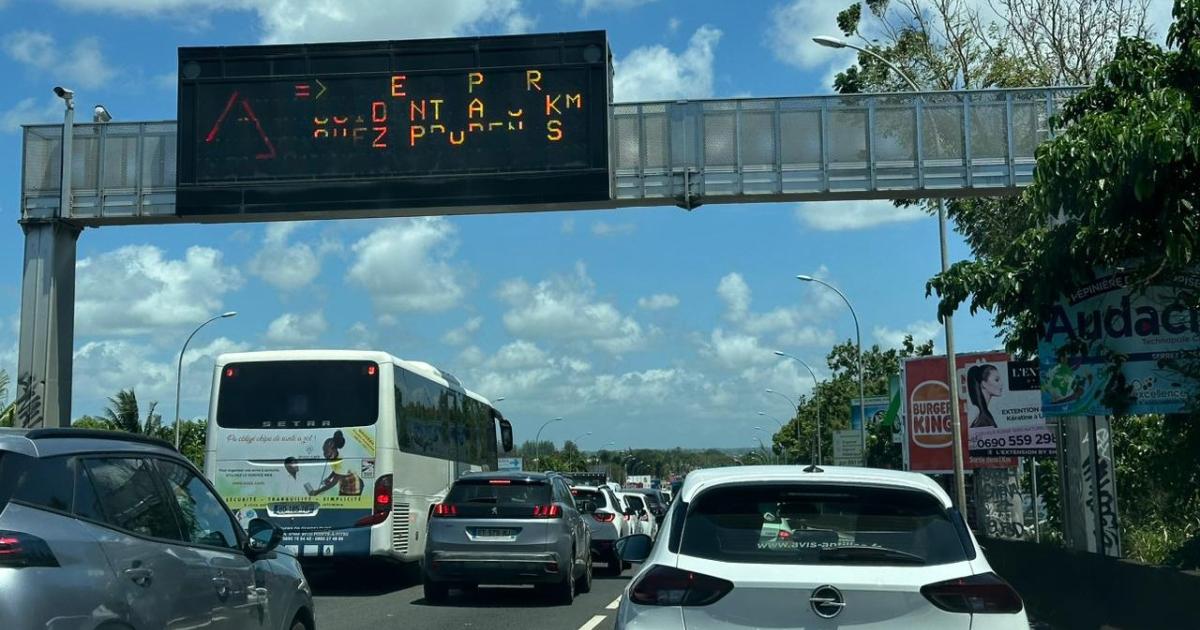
(616, 603)
(592, 623)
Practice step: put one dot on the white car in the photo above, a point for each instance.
(605, 517)
(641, 521)
(790, 547)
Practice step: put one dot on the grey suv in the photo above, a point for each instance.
(100, 529)
(508, 528)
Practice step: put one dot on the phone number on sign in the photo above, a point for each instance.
(1016, 441)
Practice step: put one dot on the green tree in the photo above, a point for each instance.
(8, 411)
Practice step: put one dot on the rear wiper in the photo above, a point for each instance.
(866, 552)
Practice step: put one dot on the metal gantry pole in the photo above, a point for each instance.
(960, 489)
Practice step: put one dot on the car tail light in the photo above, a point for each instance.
(24, 550)
(445, 510)
(383, 502)
(604, 517)
(547, 511)
(982, 593)
(644, 517)
(668, 586)
(783, 534)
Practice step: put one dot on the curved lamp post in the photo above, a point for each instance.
(862, 397)
(816, 383)
(537, 441)
(179, 372)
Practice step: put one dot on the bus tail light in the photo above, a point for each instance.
(383, 502)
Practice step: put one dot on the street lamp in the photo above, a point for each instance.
(179, 373)
(537, 441)
(816, 383)
(833, 42)
(576, 440)
(862, 396)
(960, 490)
(777, 420)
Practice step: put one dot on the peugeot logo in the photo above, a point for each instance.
(827, 601)
(494, 511)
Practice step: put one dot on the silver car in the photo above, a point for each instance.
(508, 528)
(100, 529)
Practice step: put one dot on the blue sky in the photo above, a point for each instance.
(648, 327)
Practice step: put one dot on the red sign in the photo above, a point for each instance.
(929, 440)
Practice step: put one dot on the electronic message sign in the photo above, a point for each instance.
(459, 123)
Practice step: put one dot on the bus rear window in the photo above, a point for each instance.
(298, 394)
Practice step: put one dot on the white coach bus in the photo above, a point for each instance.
(346, 450)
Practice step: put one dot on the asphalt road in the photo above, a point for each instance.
(378, 598)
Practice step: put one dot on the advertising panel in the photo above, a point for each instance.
(509, 463)
(928, 440)
(847, 448)
(1148, 327)
(1002, 401)
(877, 407)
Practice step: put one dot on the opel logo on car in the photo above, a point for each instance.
(827, 601)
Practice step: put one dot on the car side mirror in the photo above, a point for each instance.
(265, 536)
(635, 548)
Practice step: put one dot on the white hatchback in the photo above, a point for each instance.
(792, 547)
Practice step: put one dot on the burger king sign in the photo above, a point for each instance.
(929, 438)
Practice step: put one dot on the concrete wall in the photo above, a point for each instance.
(1070, 589)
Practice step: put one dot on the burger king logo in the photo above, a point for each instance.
(929, 408)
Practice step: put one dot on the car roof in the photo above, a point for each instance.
(700, 480)
(51, 442)
(509, 474)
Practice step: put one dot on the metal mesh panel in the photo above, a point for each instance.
(895, 134)
(657, 135)
(720, 147)
(43, 157)
(943, 131)
(989, 137)
(158, 161)
(800, 137)
(848, 136)
(758, 138)
(120, 161)
(627, 140)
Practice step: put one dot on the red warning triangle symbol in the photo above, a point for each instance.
(251, 117)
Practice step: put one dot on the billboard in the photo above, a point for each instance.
(1002, 401)
(876, 411)
(1147, 327)
(360, 126)
(847, 448)
(928, 444)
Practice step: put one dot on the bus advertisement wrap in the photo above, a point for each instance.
(329, 468)
(1148, 327)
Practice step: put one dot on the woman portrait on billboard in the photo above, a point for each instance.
(983, 384)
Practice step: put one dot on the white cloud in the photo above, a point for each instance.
(283, 265)
(298, 21)
(83, 65)
(518, 354)
(167, 80)
(568, 226)
(405, 266)
(854, 215)
(921, 332)
(654, 73)
(565, 309)
(737, 350)
(471, 356)
(29, 111)
(793, 26)
(462, 335)
(735, 293)
(605, 229)
(618, 5)
(673, 25)
(136, 289)
(291, 329)
(103, 368)
(658, 302)
(361, 336)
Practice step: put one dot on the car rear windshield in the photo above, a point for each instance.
(298, 394)
(635, 502)
(503, 498)
(820, 524)
(595, 496)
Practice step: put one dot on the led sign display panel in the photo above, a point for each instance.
(446, 123)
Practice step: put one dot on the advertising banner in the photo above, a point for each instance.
(894, 416)
(876, 411)
(326, 466)
(1002, 400)
(928, 441)
(847, 448)
(1147, 327)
